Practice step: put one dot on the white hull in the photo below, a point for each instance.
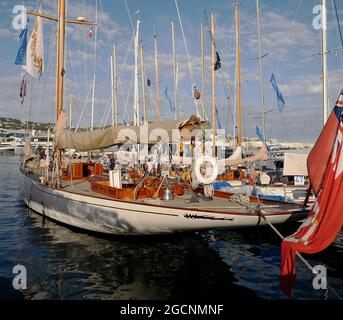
(125, 218)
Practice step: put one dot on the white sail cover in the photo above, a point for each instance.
(260, 155)
(237, 155)
(295, 163)
(104, 138)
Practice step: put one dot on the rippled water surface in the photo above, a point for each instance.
(63, 263)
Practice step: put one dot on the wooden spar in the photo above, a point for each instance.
(60, 71)
(42, 15)
(175, 70)
(143, 85)
(94, 66)
(238, 63)
(214, 126)
(50, 17)
(203, 72)
(157, 82)
(61, 22)
(60, 57)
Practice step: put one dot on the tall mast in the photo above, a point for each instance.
(261, 69)
(143, 84)
(325, 66)
(114, 87)
(203, 72)
(94, 67)
(157, 81)
(238, 63)
(175, 70)
(214, 126)
(60, 57)
(136, 93)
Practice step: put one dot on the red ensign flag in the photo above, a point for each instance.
(320, 229)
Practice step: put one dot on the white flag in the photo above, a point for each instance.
(34, 54)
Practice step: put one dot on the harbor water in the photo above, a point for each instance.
(64, 263)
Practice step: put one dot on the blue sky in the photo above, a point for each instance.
(287, 36)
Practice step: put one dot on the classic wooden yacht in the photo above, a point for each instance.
(139, 199)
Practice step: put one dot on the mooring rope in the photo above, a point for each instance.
(258, 209)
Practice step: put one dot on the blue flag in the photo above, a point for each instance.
(20, 59)
(170, 102)
(218, 121)
(259, 135)
(280, 99)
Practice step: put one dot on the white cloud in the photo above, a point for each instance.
(8, 33)
(303, 85)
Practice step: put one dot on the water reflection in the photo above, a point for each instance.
(63, 263)
(254, 258)
(66, 264)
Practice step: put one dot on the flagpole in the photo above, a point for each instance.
(324, 62)
(261, 70)
(214, 129)
(238, 63)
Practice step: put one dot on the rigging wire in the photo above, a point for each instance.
(121, 67)
(83, 110)
(258, 209)
(338, 21)
(52, 84)
(296, 13)
(223, 79)
(293, 22)
(129, 14)
(125, 57)
(47, 69)
(74, 76)
(188, 55)
(127, 99)
(106, 111)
